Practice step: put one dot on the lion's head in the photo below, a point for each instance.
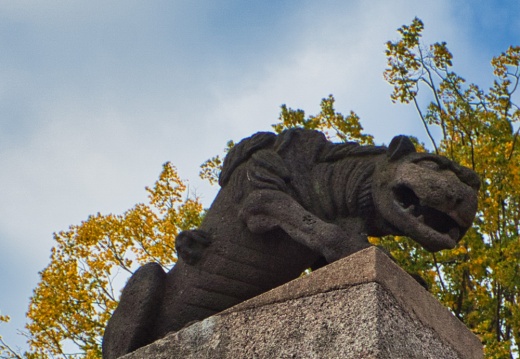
(426, 197)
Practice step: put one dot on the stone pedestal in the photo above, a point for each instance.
(363, 306)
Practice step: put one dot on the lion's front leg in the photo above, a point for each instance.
(265, 210)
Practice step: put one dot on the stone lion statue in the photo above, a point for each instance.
(289, 202)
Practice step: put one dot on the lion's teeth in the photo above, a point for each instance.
(409, 209)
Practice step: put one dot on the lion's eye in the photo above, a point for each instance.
(429, 165)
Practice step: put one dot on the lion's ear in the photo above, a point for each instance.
(399, 146)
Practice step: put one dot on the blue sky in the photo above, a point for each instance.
(96, 95)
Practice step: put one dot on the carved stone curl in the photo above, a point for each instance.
(289, 202)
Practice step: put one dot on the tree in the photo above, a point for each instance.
(345, 128)
(480, 280)
(89, 263)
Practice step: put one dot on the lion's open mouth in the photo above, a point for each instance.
(437, 220)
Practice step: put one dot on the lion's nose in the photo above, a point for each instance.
(462, 204)
(453, 200)
(457, 200)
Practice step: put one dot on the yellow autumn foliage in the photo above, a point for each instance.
(479, 280)
(91, 261)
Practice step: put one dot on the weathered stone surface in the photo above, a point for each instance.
(363, 306)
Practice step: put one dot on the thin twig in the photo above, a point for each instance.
(438, 272)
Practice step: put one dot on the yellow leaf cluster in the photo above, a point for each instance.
(480, 280)
(90, 262)
(210, 170)
(332, 123)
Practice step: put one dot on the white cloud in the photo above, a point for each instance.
(340, 52)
